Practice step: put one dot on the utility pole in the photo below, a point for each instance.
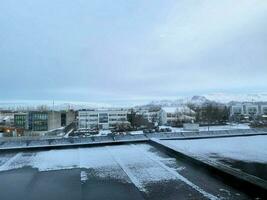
(53, 117)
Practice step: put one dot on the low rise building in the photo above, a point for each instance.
(153, 115)
(263, 110)
(20, 120)
(251, 109)
(6, 118)
(42, 121)
(170, 115)
(237, 110)
(101, 118)
(248, 110)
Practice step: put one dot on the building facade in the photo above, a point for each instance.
(237, 110)
(41, 121)
(153, 115)
(248, 110)
(20, 120)
(251, 109)
(263, 110)
(38, 121)
(101, 118)
(171, 115)
(6, 118)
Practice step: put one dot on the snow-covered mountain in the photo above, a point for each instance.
(199, 100)
(216, 98)
(196, 100)
(228, 97)
(58, 105)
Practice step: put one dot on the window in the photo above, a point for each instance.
(103, 118)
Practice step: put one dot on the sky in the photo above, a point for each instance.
(115, 50)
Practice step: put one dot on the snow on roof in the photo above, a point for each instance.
(169, 109)
(252, 149)
(181, 109)
(5, 118)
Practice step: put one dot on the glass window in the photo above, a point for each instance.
(103, 117)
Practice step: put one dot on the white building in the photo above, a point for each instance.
(6, 118)
(237, 110)
(153, 115)
(251, 109)
(101, 118)
(170, 115)
(248, 109)
(263, 110)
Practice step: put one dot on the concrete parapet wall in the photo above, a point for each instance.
(26, 142)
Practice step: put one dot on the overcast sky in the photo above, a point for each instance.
(97, 50)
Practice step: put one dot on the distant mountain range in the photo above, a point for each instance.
(218, 98)
(196, 100)
(58, 105)
(226, 98)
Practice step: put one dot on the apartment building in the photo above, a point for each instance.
(101, 118)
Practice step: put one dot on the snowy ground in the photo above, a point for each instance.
(103, 132)
(136, 132)
(149, 173)
(247, 149)
(213, 128)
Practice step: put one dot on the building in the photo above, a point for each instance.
(251, 109)
(248, 110)
(20, 120)
(170, 115)
(101, 118)
(153, 115)
(42, 121)
(6, 118)
(263, 110)
(237, 110)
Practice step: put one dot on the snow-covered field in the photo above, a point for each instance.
(247, 149)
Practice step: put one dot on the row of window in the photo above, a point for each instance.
(87, 115)
(39, 116)
(88, 120)
(102, 120)
(96, 115)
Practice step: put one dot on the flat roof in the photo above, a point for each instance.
(129, 171)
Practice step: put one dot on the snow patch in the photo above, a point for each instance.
(84, 177)
(249, 149)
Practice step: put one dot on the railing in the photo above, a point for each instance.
(31, 141)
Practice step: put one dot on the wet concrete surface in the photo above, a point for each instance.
(246, 154)
(126, 172)
(254, 168)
